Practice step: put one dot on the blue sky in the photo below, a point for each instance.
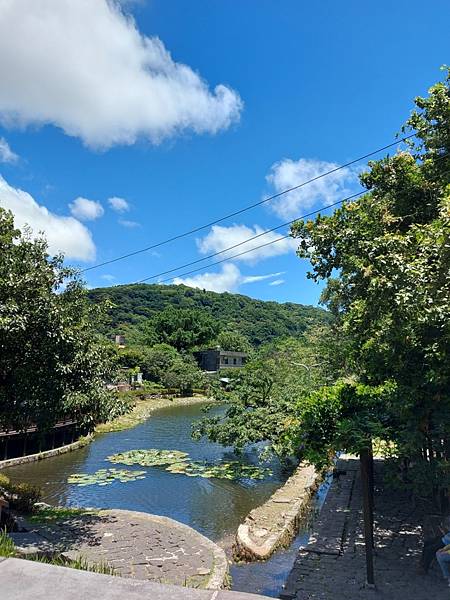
(186, 111)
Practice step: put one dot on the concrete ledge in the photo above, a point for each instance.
(276, 522)
(21, 460)
(28, 580)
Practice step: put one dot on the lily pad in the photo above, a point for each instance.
(149, 458)
(105, 477)
(227, 470)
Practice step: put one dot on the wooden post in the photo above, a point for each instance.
(368, 523)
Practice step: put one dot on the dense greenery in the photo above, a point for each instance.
(53, 364)
(135, 306)
(391, 299)
(386, 261)
(262, 396)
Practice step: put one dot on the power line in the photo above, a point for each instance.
(194, 262)
(249, 207)
(251, 239)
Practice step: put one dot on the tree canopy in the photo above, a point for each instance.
(383, 364)
(386, 260)
(53, 364)
(133, 307)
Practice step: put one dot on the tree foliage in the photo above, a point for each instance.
(184, 328)
(132, 308)
(386, 258)
(184, 375)
(262, 396)
(53, 365)
(232, 341)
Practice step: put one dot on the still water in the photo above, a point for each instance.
(214, 507)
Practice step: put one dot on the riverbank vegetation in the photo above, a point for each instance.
(53, 363)
(384, 369)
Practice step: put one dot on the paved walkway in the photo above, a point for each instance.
(135, 545)
(332, 566)
(28, 580)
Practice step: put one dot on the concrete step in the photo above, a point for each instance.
(28, 580)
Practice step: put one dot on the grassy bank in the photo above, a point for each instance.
(143, 409)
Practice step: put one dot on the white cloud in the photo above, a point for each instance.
(129, 224)
(86, 210)
(107, 277)
(6, 154)
(288, 173)
(64, 234)
(277, 282)
(120, 205)
(87, 69)
(255, 278)
(228, 279)
(220, 238)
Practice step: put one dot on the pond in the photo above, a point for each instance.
(214, 507)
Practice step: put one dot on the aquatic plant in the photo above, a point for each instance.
(226, 470)
(105, 477)
(178, 462)
(149, 458)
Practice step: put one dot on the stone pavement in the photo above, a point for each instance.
(332, 566)
(136, 545)
(27, 580)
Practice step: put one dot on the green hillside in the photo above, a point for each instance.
(259, 320)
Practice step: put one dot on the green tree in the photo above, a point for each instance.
(157, 361)
(262, 397)
(184, 375)
(184, 328)
(53, 364)
(232, 341)
(390, 250)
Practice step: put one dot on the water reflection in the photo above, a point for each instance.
(215, 507)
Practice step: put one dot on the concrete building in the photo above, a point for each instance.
(216, 359)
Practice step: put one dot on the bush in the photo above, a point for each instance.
(4, 481)
(21, 496)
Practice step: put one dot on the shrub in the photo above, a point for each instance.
(4, 482)
(21, 496)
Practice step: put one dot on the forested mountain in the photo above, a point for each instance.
(260, 321)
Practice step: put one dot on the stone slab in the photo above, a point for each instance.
(27, 580)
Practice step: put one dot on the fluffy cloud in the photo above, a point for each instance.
(220, 238)
(120, 205)
(288, 173)
(228, 279)
(64, 234)
(277, 282)
(6, 154)
(86, 210)
(87, 69)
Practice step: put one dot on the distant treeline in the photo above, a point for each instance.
(260, 321)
